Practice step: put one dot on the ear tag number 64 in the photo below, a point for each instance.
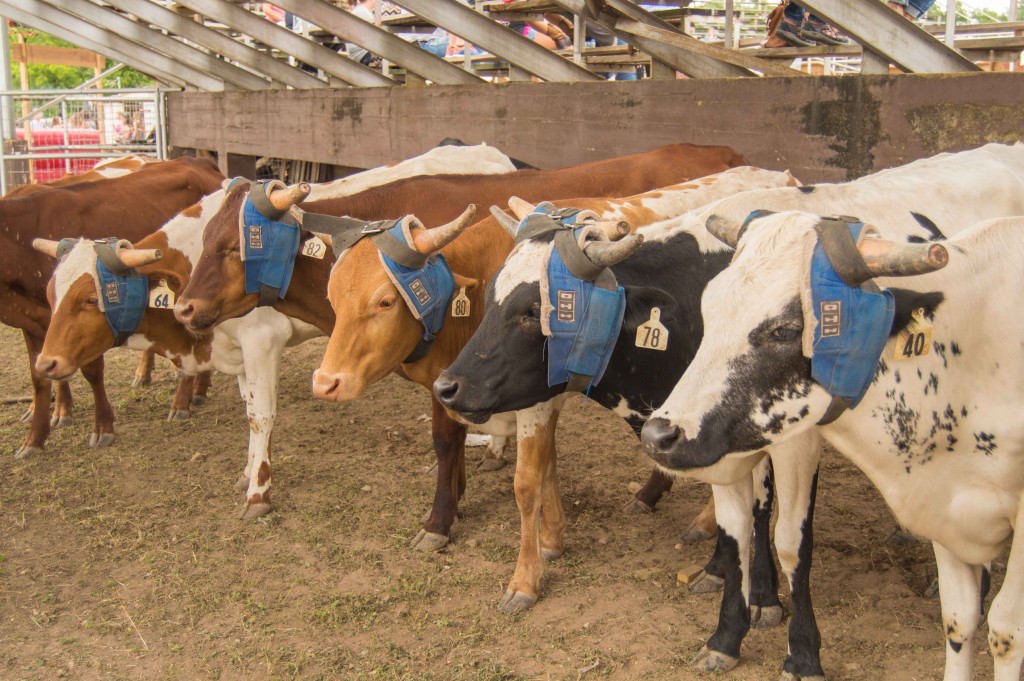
(161, 296)
(652, 334)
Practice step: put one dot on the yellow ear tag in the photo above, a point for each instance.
(161, 296)
(314, 247)
(460, 304)
(916, 339)
(652, 334)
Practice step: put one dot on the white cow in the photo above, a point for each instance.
(939, 434)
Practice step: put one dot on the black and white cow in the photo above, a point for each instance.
(504, 368)
(939, 433)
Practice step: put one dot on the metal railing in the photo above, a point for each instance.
(48, 134)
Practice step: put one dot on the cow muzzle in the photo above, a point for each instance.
(659, 438)
(447, 389)
(193, 315)
(335, 387)
(54, 367)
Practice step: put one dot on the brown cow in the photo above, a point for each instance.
(216, 290)
(133, 205)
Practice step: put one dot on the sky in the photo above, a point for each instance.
(997, 5)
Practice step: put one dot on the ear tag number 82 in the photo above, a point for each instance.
(916, 339)
(652, 334)
(314, 247)
(161, 296)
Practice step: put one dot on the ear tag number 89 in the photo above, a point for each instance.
(652, 334)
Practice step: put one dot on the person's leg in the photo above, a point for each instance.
(787, 33)
(917, 8)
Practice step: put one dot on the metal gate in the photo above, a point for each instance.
(48, 134)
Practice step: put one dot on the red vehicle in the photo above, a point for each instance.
(51, 140)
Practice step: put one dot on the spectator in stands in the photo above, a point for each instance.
(56, 122)
(911, 9)
(138, 131)
(122, 130)
(788, 27)
(37, 122)
(364, 10)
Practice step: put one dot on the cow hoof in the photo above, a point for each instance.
(25, 451)
(242, 484)
(706, 584)
(637, 507)
(551, 554)
(515, 601)
(901, 537)
(932, 592)
(141, 381)
(695, 533)
(254, 511)
(765, 617)
(98, 440)
(59, 421)
(491, 464)
(198, 400)
(713, 661)
(790, 676)
(428, 541)
(178, 415)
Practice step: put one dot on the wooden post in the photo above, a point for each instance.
(101, 123)
(26, 105)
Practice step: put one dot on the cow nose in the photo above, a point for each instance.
(326, 387)
(184, 310)
(46, 365)
(659, 437)
(446, 389)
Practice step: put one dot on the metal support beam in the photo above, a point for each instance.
(6, 114)
(690, 63)
(218, 42)
(496, 39)
(290, 43)
(158, 42)
(904, 43)
(349, 27)
(84, 34)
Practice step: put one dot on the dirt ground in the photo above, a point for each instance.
(130, 563)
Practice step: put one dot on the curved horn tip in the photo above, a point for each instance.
(723, 229)
(47, 246)
(520, 207)
(938, 256)
(507, 222)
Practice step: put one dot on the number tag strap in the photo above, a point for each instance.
(850, 316)
(123, 291)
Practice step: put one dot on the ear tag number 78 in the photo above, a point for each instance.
(652, 334)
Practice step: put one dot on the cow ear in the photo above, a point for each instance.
(640, 300)
(464, 282)
(908, 302)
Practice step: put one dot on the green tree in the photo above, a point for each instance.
(52, 76)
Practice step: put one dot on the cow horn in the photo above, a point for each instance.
(724, 229)
(519, 207)
(137, 257)
(286, 197)
(890, 259)
(612, 229)
(433, 240)
(507, 222)
(609, 253)
(46, 246)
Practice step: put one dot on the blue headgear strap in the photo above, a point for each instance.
(124, 291)
(269, 246)
(854, 317)
(588, 304)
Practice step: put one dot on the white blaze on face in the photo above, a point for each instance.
(757, 287)
(523, 266)
(185, 232)
(79, 262)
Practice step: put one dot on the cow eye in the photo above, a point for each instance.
(784, 334)
(386, 303)
(533, 313)
(92, 300)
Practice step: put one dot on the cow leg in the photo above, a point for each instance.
(960, 596)
(704, 526)
(494, 457)
(181, 405)
(261, 356)
(1006, 620)
(450, 449)
(103, 413)
(62, 405)
(144, 371)
(648, 496)
(765, 606)
(39, 428)
(733, 504)
(796, 480)
(242, 484)
(202, 387)
(552, 513)
(536, 447)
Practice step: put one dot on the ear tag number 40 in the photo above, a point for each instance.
(916, 339)
(161, 296)
(314, 247)
(460, 304)
(652, 334)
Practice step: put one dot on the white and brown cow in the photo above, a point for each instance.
(938, 430)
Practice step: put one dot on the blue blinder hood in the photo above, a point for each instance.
(587, 304)
(854, 317)
(269, 246)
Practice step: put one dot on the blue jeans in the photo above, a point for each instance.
(795, 13)
(916, 8)
(436, 45)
